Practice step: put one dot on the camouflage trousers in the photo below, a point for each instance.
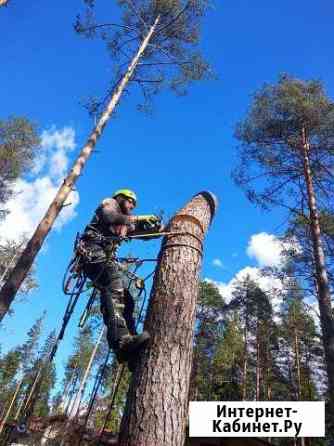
(117, 305)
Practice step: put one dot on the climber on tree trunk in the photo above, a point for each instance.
(111, 222)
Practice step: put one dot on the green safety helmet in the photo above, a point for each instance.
(126, 193)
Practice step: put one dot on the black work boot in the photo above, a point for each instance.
(129, 346)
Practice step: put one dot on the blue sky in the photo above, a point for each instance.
(185, 147)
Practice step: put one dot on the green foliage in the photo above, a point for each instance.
(103, 404)
(29, 349)
(20, 363)
(300, 341)
(279, 112)
(19, 145)
(9, 253)
(258, 339)
(48, 377)
(241, 352)
(271, 161)
(9, 367)
(171, 60)
(77, 363)
(287, 159)
(227, 362)
(209, 329)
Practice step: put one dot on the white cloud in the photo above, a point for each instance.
(269, 284)
(218, 263)
(33, 195)
(61, 139)
(55, 148)
(267, 249)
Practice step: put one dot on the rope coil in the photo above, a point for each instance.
(185, 245)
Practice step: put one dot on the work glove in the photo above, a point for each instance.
(152, 219)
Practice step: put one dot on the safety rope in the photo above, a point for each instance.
(74, 273)
(186, 245)
(132, 275)
(121, 367)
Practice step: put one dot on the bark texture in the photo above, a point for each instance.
(157, 404)
(27, 257)
(324, 296)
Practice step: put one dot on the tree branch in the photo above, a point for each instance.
(155, 81)
(134, 9)
(90, 28)
(163, 63)
(175, 19)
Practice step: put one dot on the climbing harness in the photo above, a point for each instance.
(121, 367)
(75, 283)
(133, 278)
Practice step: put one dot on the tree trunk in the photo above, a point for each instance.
(297, 363)
(245, 366)
(19, 409)
(4, 421)
(77, 400)
(297, 359)
(157, 402)
(193, 388)
(25, 261)
(269, 392)
(258, 363)
(71, 394)
(297, 355)
(324, 297)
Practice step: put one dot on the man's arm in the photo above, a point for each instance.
(111, 213)
(123, 224)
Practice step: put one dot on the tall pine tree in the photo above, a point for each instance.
(287, 159)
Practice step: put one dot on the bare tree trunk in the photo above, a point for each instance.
(71, 394)
(269, 392)
(32, 394)
(4, 421)
(19, 409)
(324, 297)
(245, 366)
(67, 393)
(77, 401)
(258, 368)
(157, 403)
(297, 362)
(297, 354)
(22, 267)
(297, 359)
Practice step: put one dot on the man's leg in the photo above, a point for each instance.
(109, 280)
(128, 312)
(124, 344)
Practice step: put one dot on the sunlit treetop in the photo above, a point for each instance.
(271, 137)
(172, 58)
